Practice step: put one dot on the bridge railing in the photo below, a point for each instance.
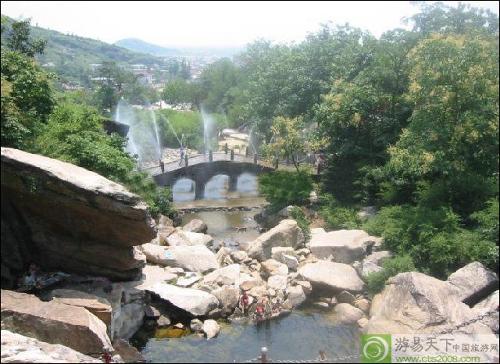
(220, 156)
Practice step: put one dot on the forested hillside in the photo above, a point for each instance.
(71, 56)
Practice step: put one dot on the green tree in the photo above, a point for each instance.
(452, 137)
(178, 91)
(18, 39)
(288, 140)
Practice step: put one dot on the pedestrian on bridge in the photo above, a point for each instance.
(181, 152)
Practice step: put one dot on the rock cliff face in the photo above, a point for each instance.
(63, 217)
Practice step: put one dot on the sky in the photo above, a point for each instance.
(211, 24)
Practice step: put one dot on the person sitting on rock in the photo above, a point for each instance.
(259, 311)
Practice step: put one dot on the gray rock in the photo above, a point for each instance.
(53, 322)
(489, 304)
(239, 256)
(181, 238)
(346, 246)
(332, 277)
(295, 296)
(228, 297)
(277, 282)
(306, 286)
(290, 261)
(347, 314)
(189, 279)
(195, 226)
(127, 352)
(363, 304)
(346, 297)
(473, 282)
(17, 348)
(91, 217)
(286, 233)
(197, 258)
(211, 328)
(163, 321)
(273, 267)
(228, 275)
(196, 325)
(196, 302)
(277, 252)
(414, 302)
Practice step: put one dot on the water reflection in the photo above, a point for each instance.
(247, 185)
(217, 188)
(184, 190)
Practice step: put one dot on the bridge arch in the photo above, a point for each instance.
(184, 189)
(201, 173)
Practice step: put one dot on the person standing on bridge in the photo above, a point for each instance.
(181, 152)
(162, 166)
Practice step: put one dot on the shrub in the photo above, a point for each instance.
(337, 216)
(283, 188)
(298, 215)
(391, 267)
(158, 199)
(432, 237)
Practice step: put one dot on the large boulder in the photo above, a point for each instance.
(21, 349)
(489, 307)
(53, 322)
(195, 226)
(295, 296)
(347, 314)
(473, 282)
(74, 219)
(180, 237)
(413, 302)
(346, 246)
(228, 275)
(332, 277)
(372, 263)
(228, 297)
(97, 305)
(194, 301)
(196, 258)
(286, 233)
(277, 282)
(272, 267)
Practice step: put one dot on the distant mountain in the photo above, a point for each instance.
(72, 57)
(138, 45)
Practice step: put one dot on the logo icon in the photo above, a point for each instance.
(376, 348)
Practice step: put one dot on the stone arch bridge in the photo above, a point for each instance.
(200, 169)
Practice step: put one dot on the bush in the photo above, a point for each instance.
(158, 199)
(391, 267)
(432, 237)
(298, 215)
(337, 216)
(487, 220)
(283, 188)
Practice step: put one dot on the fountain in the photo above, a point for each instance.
(208, 123)
(157, 134)
(143, 138)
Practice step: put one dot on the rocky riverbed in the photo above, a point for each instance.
(183, 285)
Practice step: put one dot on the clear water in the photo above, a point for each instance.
(299, 336)
(234, 228)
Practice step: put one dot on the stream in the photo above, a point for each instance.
(298, 336)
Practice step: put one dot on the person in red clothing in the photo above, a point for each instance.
(260, 310)
(244, 302)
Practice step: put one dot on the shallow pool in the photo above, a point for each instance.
(301, 335)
